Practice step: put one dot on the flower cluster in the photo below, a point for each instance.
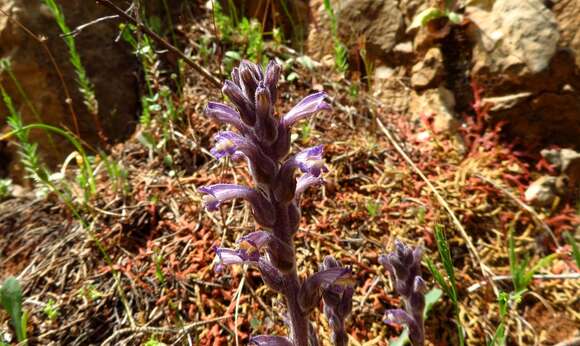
(264, 141)
(404, 266)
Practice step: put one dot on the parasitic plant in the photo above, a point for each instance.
(264, 141)
(404, 266)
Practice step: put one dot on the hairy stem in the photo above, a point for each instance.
(298, 321)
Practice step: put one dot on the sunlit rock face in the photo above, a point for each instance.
(110, 66)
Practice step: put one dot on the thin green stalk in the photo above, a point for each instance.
(85, 85)
(8, 69)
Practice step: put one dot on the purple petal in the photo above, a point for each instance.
(311, 290)
(338, 276)
(226, 145)
(305, 108)
(271, 276)
(224, 114)
(266, 125)
(229, 143)
(241, 101)
(229, 257)
(267, 340)
(257, 239)
(310, 161)
(219, 193)
(236, 76)
(273, 72)
(399, 316)
(305, 181)
(250, 76)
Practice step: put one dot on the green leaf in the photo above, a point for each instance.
(445, 254)
(11, 299)
(503, 300)
(575, 250)
(431, 297)
(425, 17)
(292, 76)
(147, 140)
(454, 17)
(499, 336)
(438, 277)
(542, 263)
(306, 61)
(233, 55)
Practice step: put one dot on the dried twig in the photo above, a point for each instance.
(567, 276)
(472, 250)
(205, 73)
(161, 330)
(523, 205)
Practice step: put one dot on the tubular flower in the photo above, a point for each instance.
(219, 193)
(404, 266)
(264, 140)
(337, 304)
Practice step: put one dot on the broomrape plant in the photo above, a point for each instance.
(264, 141)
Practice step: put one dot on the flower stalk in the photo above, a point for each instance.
(263, 139)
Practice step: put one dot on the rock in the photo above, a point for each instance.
(429, 71)
(543, 191)
(570, 160)
(567, 161)
(501, 103)
(110, 66)
(380, 22)
(383, 72)
(515, 38)
(319, 42)
(567, 14)
(523, 60)
(438, 104)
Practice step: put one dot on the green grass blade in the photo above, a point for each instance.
(11, 299)
(445, 254)
(439, 278)
(575, 250)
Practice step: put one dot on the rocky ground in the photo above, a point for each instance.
(474, 127)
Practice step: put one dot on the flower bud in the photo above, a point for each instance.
(273, 72)
(244, 106)
(271, 276)
(266, 126)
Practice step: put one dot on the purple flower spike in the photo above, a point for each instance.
(404, 266)
(337, 304)
(219, 193)
(265, 141)
(305, 108)
(267, 340)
